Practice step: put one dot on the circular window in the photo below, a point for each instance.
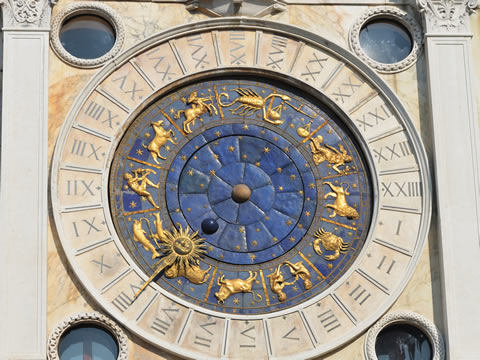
(87, 34)
(404, 335)
(403, 341)
(386, 38)
(385, 41)
(88, 341)
(90, 336)
(87, 37)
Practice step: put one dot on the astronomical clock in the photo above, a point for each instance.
(236, 190)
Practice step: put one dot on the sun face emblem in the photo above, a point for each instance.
(184, 246)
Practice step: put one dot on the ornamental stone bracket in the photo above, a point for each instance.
(30, 14)
(252, 8)
(446, 16)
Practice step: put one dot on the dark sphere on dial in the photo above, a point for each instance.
(241, 193)
(209, 226)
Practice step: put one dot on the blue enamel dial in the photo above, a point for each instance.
(270, 178)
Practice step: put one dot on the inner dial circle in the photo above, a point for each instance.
(270, 194)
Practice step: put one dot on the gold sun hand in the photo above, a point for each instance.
(167, 261)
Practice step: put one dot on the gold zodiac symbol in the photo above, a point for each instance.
(340, 206)
(330, 242)
(138, 182)
(299, 270)
(139, 236)
(182, 251)
(277, 281)
(160, 139)
(199, 107)
(304, 130)
(250, 102)
(333, 156)
(235, 286)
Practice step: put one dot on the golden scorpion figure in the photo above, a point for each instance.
(250, 102)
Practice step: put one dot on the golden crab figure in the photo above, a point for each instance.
(182, 251)
(330, 242)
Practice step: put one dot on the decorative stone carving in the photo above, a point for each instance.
(92, 8)
(387, 12)
(446, 15)
(405, 317)
(253, 8)
(87, 318)
(26, 13)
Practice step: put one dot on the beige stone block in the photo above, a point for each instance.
(402, 191)
(121, 294)
(237, 48)
(360, 296)
(85, 150)
(126, 86)
(385, 265)
(347, 89)
(246, 339)
(393, 153)
(84, 228)
(314, 66)
(374, 118)
(197, 52)
(277, 52)
(288, 335)
(100, 115)
(77, 188)
(160, 65)
(164, 319)
(102, 264)
(204, 334)
(327, 320)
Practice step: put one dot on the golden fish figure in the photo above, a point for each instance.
(299, 270)
(200, 105)
(139, 236)
(340, 206)
(330, 242)
(250, 102)
(328, 153)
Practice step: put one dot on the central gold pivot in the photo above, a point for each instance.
(241, 193)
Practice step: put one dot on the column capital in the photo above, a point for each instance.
(29, 14)
(446, 16)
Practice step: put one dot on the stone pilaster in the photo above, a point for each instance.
(457, 144)
(24, 179)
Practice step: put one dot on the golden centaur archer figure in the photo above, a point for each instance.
(160, 139)
(249, 102)
(340, 206)
(200, 105)
(329, 153)
(138, 182)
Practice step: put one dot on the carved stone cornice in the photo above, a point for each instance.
(252, 8)
(446, 16)
(26, 13)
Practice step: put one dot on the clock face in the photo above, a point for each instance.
(272, 181)
(238, 191)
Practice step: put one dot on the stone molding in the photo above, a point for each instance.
(80, 8)
(410, 318)
(87, 318)
(223, 8)
(387, 12)
(446, 16)
(26, 13)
